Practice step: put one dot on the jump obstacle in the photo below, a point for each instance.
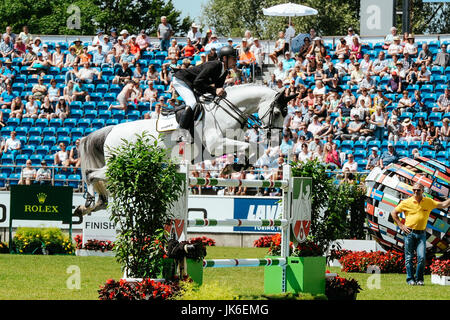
(295, 220)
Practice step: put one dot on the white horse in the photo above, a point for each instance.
(219, 116)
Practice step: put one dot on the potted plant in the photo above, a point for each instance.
(440, 272)
(305, 269)
(93, 247)
(339, 288)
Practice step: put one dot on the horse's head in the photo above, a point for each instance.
(272, 114)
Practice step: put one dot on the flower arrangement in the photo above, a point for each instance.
(304, 249)
(98, 245)
(339, 288)
(42, 241)
(205, 240)
(146, 289)
(440, 267)
(389, 262)
(263, 242)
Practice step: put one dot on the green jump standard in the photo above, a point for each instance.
(303, 274)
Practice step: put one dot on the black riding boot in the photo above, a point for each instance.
(186, 118)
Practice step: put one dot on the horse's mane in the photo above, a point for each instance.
(248, 86)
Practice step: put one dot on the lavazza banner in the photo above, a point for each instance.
(98, 226)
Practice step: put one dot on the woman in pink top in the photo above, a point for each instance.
(356, 48)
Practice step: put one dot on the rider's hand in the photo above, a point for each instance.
(220, 91)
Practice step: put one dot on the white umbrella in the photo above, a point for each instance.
(289, 10)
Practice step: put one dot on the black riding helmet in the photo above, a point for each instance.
(227, 51)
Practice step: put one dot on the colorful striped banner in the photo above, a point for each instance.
(408, 174)
(229, 263)
(389, 199)
(423, 180)
(409, 161)
(218, 182)
(405, 188)
(423, 167)
(443, 177)
(439, 188)
(376, 194)
(237, 223)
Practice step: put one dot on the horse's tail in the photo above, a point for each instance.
(92, 151)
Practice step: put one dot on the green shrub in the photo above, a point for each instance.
(207, 291)
(42, 240)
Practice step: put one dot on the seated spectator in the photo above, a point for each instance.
(53, 92)
(173, 52)
(99, 57)
(356, 76)
(17, 108)
(80, 92)
(405, 104)
(86, 74)
(12, 144)
(39, 65)
(106, 44)
(395, 48)
(379, 119)
(123, 74)
(46, 55)
(7, 97)
(28, 58)
(39, 90)
(408, 132)
(355, 48)
(279, 72)
(43, 174)
(380, 100)
(394, 84)
(69, 96)
(331, 155)
(28, 174)
(258, 51)
(350, 35)
(410, 46)
(138, 73)
(432, 133)
(445, 130)
(389, 39)
(20, 48)
(62, 109)
(351, 164)
(8, 73)
(380, 65)
(71, 58)
(143, 41)
(165, 76)
(78, 46)
(248, 60)
(286, 145)
(58, 57)
(7, 48)
(31, 108)
(342, 49)
(442, 58)
(280, 48)
(47, 111)
(152, 73)
(135, 50)
(389, 156)
(394, 129)
(189, 50)
(74, 156)
(368, 84)
(425, 55)
(443, 102)
(354, 129)
(422, 129)
(373, 159)
(62, 156)
(304, 155)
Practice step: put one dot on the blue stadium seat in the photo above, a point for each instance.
(13, 179)
(60, 180)
(98, 123)
(96, 96)
(118, 114)
(13, 122)
(112, 122)
(76, 133)
(28, 149)
(401, 146)
(35, 140)
(89, 105)
(347, 145)
(21, 131)
(21, 159)
(74, 180)
(431, 154)
(49, 141)
(64, 139)
(103, 105)
(36, 159)
(76, 105)
(55, 122)
(63, 132)
(110, 97)
(441, 156)
(90, 114)
(104, 114)
(50, 159)
(435, 116)
(42, 150)
(48, 132)
(70, 122)
(90, 130)
(27, 122)
(41, 122)
(76, 114)
(133, 115)
(84, 123)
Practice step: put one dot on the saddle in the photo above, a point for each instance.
(168, 120)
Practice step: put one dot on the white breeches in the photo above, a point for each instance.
(185, 92)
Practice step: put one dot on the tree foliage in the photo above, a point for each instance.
(234, 17)
(53, 17)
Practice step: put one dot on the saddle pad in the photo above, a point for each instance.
(167, 123)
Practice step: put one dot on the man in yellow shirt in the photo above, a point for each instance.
(417, 210)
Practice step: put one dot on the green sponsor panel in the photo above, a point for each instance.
(303, 274)
(41, 203)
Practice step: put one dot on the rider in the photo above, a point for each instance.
(208, 77)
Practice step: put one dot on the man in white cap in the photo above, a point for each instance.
(258, 51)
(395, 47)
(389, 156)
(373, 159)
(393, 128)
(195, 35)
(125, 35)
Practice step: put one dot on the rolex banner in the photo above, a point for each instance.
(41, 203)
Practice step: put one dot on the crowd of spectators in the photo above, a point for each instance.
(348, 93)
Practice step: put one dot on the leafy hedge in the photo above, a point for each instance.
(42, 241)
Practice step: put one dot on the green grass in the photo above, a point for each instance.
(27, 277)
